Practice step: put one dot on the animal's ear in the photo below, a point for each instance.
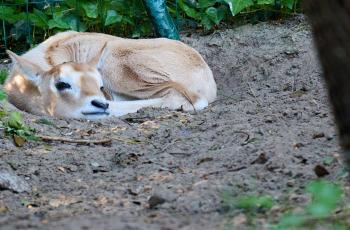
(96, 61)
(30, 70)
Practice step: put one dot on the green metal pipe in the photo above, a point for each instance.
(162, 22)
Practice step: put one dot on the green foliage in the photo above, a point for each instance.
(125, 17)
(254, 202)
(14, 126)
(236, 6)
(326, 199)
(2, 95)
(251, 205)
(3, 76)
(209, 13)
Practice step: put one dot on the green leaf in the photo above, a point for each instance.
(57, 21)
(266, 2)
(237, 6)
(290, 220)
(112, 17)
(288, 4)
(252, 202)
(190, 12)
(91, 9)
(57, 24)
(15, 120)
(325, 196)
(39, 18)
(2, 95)
(320, 209)
(340, 226)
(206, 3)
(75, 23)
(3, 76)
(215, 15)
(9, 15)
(206, 22)
(325, 191)
(192, 3)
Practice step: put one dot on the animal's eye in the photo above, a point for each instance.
(62, 85)
(102, 88)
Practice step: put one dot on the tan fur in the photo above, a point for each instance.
(140, 69)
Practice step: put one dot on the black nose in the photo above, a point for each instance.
(99, 104)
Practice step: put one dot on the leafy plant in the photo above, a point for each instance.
(3, 76)
(326, 207)
(208, 13)
(250, 203)
(15, 126)
(326, 198)
(211, 12)
(2, 95)
(125, 17)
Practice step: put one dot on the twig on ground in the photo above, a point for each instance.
(224, 171)
(254, 94)
(78, 141)
(162, 150)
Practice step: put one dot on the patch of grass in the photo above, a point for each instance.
(3, 76)
(14, 126)
(326, 208)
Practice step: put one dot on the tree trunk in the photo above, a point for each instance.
(330, 20)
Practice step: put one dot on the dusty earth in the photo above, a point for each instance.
(268, 130)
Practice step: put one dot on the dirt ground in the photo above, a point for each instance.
(268, 129)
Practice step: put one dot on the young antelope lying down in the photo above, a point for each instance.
(92, 76)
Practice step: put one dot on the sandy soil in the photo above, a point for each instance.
(265, 134)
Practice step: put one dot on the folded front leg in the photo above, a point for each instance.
(120, 108)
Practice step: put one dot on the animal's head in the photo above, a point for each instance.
(70, 89)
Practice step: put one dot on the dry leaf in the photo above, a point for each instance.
(3, 207)
(19, 141)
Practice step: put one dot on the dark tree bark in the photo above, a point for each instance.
(330, 20)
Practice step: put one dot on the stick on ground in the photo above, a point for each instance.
(78, 141)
